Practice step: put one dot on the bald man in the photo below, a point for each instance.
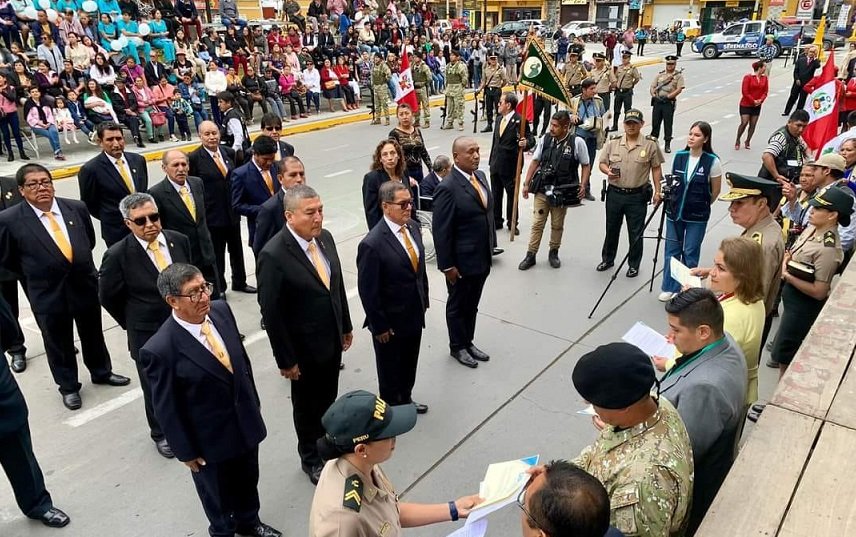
(271, 217)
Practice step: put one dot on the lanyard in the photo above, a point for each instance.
(706, 348)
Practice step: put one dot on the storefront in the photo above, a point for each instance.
(573, 10)
(716, 15)
(610, 14)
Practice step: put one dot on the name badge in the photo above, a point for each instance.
(792, 163)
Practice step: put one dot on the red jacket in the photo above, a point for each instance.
(848, 102)
(754, 89)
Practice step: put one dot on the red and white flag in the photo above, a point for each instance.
(404, 91)
(526, 107)
(822, 108)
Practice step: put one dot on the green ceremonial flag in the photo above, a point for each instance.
(538, 74)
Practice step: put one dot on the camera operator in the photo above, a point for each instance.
(558, 177)
(786, 151)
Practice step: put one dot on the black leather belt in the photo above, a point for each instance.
(628, 190)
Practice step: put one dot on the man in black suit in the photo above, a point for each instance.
(206, 401)
(127, 286)
(153, 71)
(393, 286)
(14, 344)
(463, 238)
(125, 106)
(49, 242)
(503, 156)
(109, 177)
(181, 202)
(804, 68)
(16, 446)
(305, 308)
(271, 125)
(254, 183)
(440, 169)
(271, 217)
(213, 163)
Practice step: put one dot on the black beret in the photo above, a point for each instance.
(614, 376)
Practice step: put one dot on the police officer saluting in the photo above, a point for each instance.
(492, 83)
(626, 76)
(665, 88)
(354, 496)
(629, 160)
(558, 177)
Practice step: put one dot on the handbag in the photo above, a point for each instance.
(330, 84)
(158, 118)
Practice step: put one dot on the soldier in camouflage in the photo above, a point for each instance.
(456, 77)
(380, 87)
(421, 81)
(643, 455)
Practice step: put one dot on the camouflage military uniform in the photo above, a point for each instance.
(456, 77)
(648, 473)
(574, 73)
(380, 77)
(421, 82)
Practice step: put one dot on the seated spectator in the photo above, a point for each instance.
(162, 94)
(48, 82)
(71, 78)
(98, 104)
(312, 80)
(194, 93)
(440, 168)
(64, 121)
(145, 106)
(42, 27)
(331, 86)
(288, 88)
(131, 7)
(256, 92)
(131, 70)
(229, 15)
(102, 72)
(215, 83)
(78, 114)
(93, 49)
(48, 51)
(291, 59)
(188, 16)
(109, 8)
(159, 36)
(154, 71)
(131, 30)
(107, 32)
(708, 387)
(78, 53)
(9, 125)
(238, 48)
(40, 118)
(234, 85)
(167, 9)
(187, 66)
(89, 25)
(9, 23)
(24, 21)
(125, 106)
(68, 25)
(348, 86)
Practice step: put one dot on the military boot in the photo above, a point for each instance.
(528, 261)
(553, 258)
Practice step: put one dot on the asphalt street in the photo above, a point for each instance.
(102, 468)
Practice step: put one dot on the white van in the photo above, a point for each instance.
(692, 28)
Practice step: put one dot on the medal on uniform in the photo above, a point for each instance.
(642, 153)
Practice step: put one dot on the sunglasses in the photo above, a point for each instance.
(141, 221)
(403, 204)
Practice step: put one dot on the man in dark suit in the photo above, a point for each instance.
(16, 446)
(804, 67)
(127, 286)
(153, 71)
(305, 308)
(440, 169)
(49, 242)
(253, 183)
(214, 163)
(271, 217)
(206, 401)
(503, 156)
(271, 125)
(14, 345)
(393, 286)
(109, 177)
(463, 238)
(181, 202)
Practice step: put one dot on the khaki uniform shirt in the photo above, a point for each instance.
(667, 82)
(627, 77)
(768, 234)
(822, 251)
(350, 504)
(494, 77)
(574, 73)
(456, 73)
(634, 161)
(648, 473)
(604, 78)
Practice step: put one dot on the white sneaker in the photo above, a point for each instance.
(173, 138)
(665, 296)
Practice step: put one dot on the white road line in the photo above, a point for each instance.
(707, 91)
(82, 418)
(718, 87)
(335, 147)
(336, 174)
(714, 122)
(728, 116)
(433, 147)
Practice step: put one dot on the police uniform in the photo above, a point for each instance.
(421, 83)
(663, 105)
(456, 77)
(574, 72)
(605, 80)
(494, 79)
(628, 196)
(627, 76)
(380, 88)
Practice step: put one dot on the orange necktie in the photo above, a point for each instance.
(475, 183)
(411, 251)
(219, 162)
(268, 180)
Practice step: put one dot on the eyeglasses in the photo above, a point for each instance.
(270, 129)
(196, 296)
(403, 204)
(48, 184)
(521, 503)
(141, 221)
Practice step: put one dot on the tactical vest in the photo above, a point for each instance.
(421, 77)
(228, 138)
(454, 75)
(793, 152)
(691, 196)
(563, 159)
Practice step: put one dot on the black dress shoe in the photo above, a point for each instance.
(497, 251)
(72, 401)
(249, 289)
(54, 518)
(604, 266)
(477, 354)
(341, 366)
(19, 362)
(259, 530)
(632, 272)
(314, 472)
(420, 408)
(164, 449)
(668, 147)
(464, 358)
(755, 412)
(113, 380)
(487, 129)
(242, 336)
(516, 230)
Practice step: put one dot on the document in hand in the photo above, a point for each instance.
(502, 483)
(681, 274)
(649, 340)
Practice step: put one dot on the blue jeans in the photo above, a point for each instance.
(52, 135)
(683, 241)
(240, 22)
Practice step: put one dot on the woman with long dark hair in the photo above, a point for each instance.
(387, 165)
(412, 144)
(754, 93)
(9, 118)
(696, 182)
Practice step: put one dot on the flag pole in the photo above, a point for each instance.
(521, 136)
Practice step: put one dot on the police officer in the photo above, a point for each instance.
(233, 131)
(421, 82)
(381, 76)
(456, 77)
(353, 495)
(492, 82)
(604, 79)
(629, 160)
(626, 76)
(557, 183)
(574, 72)
(665, 88)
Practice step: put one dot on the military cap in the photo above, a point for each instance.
(633, 115)
(614, 376)
(744, 186)
(626, 52)
(573, 52)
(671, 58)
(359, 417)
(833, 161)
(835, 199)
(599, 56)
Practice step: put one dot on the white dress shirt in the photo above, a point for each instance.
(304, 245)
(162, 245)
(127, 168)
(47, 223)
(195, 330)
(482, 189)
(395, 231)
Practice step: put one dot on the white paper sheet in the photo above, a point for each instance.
(681, 274)
(502, 484)
(476, 529)
(649, 340)
(587, 411)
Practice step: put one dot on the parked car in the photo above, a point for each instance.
(540, 26)
(510, 28)
(743, 38)
(830, 40)
(580, 28)
(453, 24)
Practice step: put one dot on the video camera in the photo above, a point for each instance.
(667, 190)
(562, 195)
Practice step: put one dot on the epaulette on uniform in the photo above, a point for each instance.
(353, 493)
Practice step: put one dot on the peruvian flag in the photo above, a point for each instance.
(822, 107)
(526, 107)
(404, 92)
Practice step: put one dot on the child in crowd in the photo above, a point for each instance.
(181, 109)
(78, 114)
(64, 120)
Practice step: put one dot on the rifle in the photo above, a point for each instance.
(443, 110)
(475, 112)
(655, 97)
(375, 116)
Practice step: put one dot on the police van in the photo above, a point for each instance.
(744, 38)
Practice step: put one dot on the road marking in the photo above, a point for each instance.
(707, 91)
(336, 174)
(335, 147)
(82, 418)
(714, 122)
(433, 147)
(728, 116)
(718, 87)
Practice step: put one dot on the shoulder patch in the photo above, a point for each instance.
(829, 239)
(758, 237)
(616, 136)
(353, 493)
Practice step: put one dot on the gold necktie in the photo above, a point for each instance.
(319, 264)
(160, 259)
(59, 237)
(220, 164)
(188, 201)
(411, 251)
(216, 348)
(502, 125)
(268, 180)
(277, 156)
(475, 183)
(125, 177)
